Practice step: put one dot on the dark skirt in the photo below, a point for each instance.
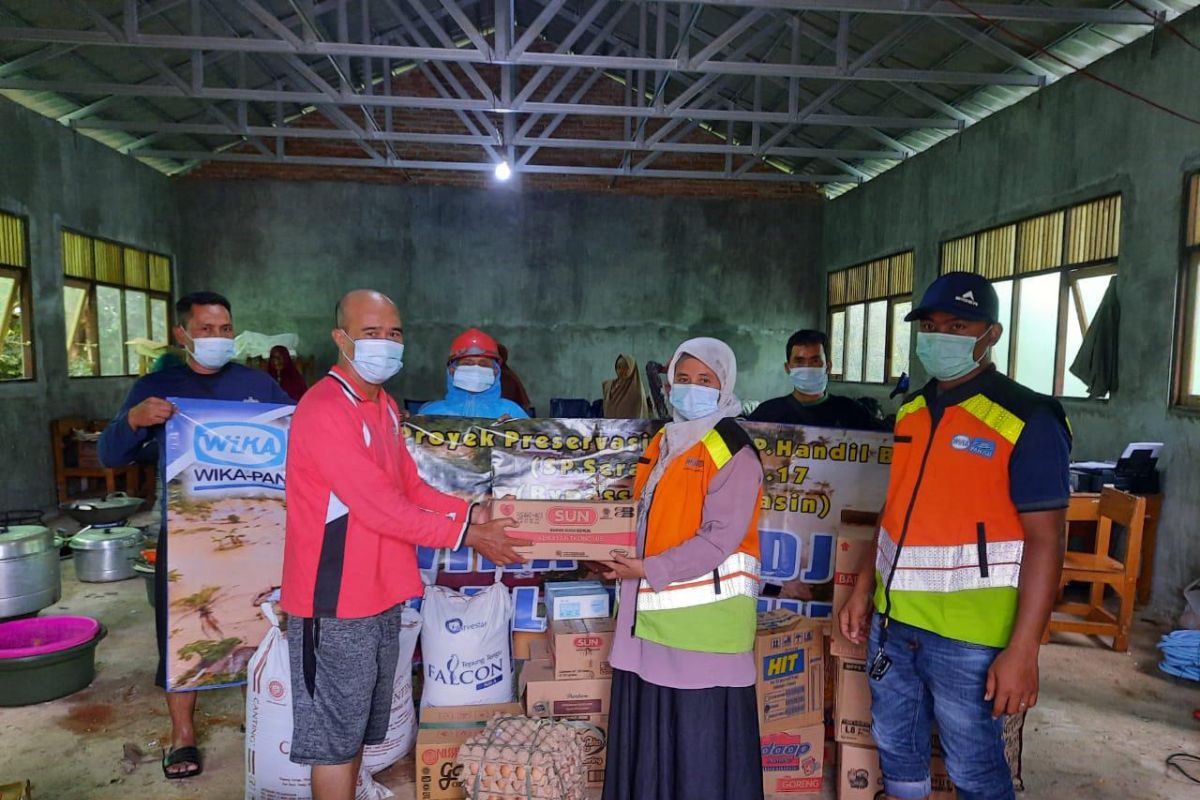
(682, 744)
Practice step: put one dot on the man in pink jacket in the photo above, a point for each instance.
(357, 510)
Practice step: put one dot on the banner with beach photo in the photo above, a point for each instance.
(225, 515)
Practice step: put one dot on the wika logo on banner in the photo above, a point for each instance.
(225, 516)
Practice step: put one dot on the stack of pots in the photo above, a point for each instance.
(30, 579)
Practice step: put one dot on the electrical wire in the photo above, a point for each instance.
(1080, 70)
(1171, 29)
(1173, 762)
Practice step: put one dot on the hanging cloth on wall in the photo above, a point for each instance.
(1096, 362)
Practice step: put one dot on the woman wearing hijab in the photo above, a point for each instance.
(623, 396)
(684, 721)
(284, 371)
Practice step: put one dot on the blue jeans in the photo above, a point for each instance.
(935, 678)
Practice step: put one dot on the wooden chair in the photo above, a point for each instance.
(73, 461)
(1101, 570)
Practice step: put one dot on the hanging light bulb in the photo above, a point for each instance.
(503, 171)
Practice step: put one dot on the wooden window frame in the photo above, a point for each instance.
(90, 317)
(1069, 272)
(892, 298)
(1188, 309)
(22, 274)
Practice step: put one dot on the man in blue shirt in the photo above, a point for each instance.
(473, 381)
(205, 330)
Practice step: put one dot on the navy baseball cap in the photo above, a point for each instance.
(963, 294)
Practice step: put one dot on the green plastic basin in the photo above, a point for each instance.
(36, 679)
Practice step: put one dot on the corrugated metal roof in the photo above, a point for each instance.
(1081, 48)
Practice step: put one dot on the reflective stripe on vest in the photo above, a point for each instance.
(952, 568)
(716, 447)
(737, 576)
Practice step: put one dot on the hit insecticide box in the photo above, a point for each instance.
(571, 529)
(789, 656)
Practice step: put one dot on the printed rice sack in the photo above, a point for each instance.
(465, 647)
(270, 774)
(402, 725)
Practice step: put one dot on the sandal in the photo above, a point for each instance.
(182, 755)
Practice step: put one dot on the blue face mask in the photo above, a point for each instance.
(809, 380)
(946, 356)
(212, 352)
(694, 402)
(473, 378)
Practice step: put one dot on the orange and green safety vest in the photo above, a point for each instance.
(950, 513)
(713, 613)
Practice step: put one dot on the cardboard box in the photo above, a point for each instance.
(547, 697)
(440, 733)
(521, 642)
(851, 548)
(852, 709)
(577, 600)
(595, 746)
(789, 655)
(579, 648)
(792, 761)
(571, 529)
(859, 776)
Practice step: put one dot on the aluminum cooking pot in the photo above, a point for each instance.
(30, 579)
(106, 554)
(117, 507)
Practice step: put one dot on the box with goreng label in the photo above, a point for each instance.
(584, 530)
(793, 761)
(789, 655)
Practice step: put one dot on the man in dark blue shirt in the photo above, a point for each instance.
(205, 330)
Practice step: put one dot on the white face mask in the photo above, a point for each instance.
(376, 360)
(473, 378)
(809, 380)
(211, 352)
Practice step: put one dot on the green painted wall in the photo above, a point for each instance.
(1074, 141)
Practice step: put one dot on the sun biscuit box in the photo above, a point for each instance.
(571, 529)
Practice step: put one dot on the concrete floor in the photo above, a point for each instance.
(1102, 730)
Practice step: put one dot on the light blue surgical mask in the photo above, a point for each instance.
(376, 360)
(211, 352)
(694, 402)
(474, 378)
(809, 380)
(947, 356)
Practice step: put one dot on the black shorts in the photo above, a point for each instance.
(343, 671)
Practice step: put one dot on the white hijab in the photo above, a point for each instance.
(683, 434)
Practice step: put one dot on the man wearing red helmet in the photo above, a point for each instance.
(473, 381)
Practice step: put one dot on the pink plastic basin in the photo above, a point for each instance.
(42, 635)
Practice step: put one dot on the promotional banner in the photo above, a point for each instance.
(225, 518)
(225, 510)
(817, 483)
